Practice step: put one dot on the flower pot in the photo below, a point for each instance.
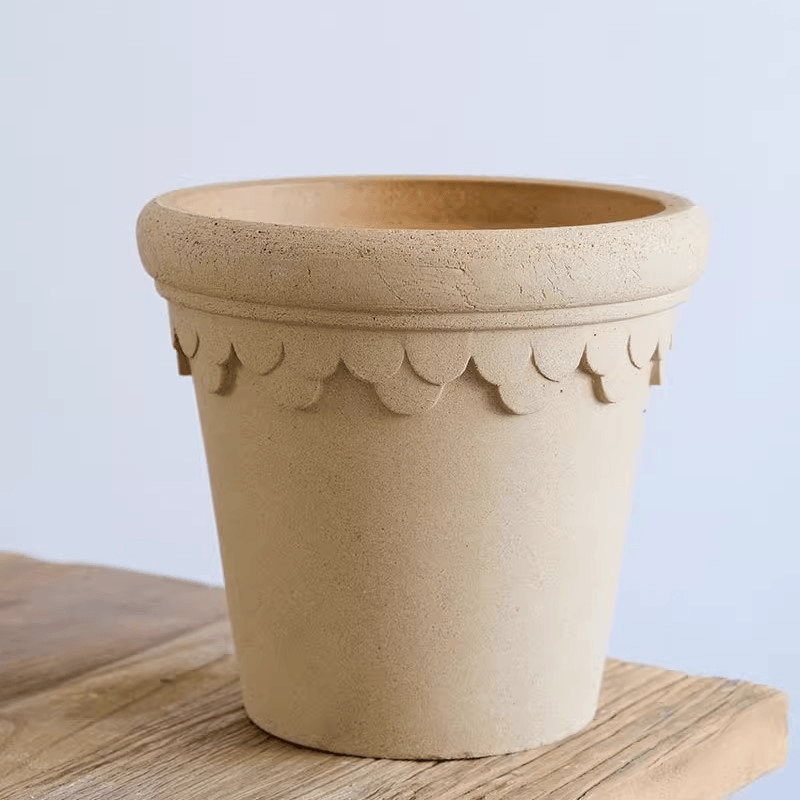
(422, 401)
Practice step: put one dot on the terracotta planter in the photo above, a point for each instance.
(422, 401)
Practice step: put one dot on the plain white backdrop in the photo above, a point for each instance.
(105, 104)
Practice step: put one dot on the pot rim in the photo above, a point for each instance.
(283, 270)
(670, 203)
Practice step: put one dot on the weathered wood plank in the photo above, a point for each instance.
(61, 620)
(167, 721)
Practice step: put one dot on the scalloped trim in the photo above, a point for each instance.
(409, 369)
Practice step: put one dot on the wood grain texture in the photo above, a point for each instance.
(118, 685)
(58, 621)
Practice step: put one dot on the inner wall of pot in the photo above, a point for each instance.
(414, 203)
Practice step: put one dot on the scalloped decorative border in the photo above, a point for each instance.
(409, 369)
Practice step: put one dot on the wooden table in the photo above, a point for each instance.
(115, 684)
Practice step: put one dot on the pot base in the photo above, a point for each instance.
(409, 752)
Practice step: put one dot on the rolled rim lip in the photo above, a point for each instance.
(673, 204)
(457, 277)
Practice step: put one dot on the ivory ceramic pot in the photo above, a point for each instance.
(422, 401)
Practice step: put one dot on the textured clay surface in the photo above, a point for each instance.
(422, 402)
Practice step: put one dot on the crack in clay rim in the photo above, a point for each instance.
(408, 271)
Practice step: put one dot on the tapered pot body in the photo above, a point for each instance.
(422, 403)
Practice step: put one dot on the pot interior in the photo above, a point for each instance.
(414, 203)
